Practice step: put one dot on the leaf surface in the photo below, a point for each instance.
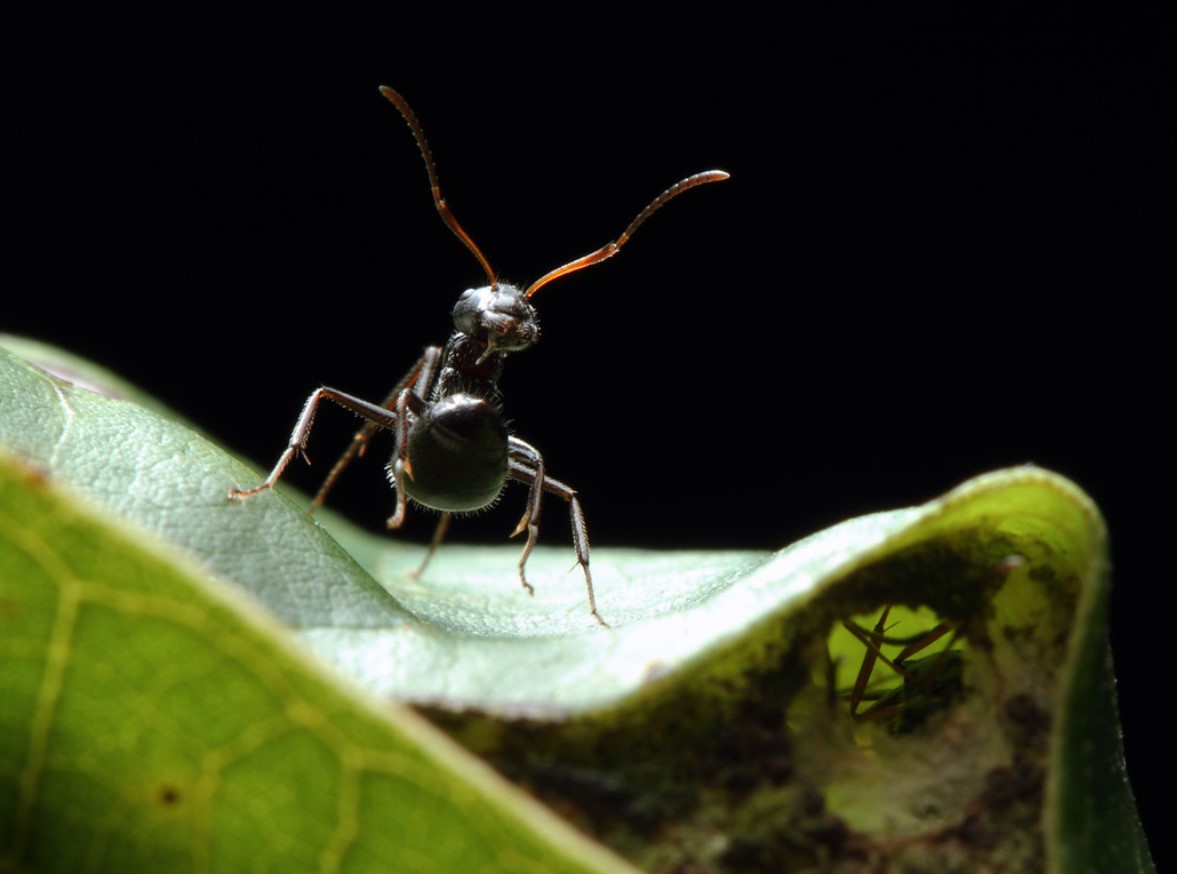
(777, 755)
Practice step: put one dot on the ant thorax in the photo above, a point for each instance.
(468, 369)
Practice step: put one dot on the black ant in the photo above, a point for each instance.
(453, 451)
(927, 682)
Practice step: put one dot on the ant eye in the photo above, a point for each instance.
(468, 312)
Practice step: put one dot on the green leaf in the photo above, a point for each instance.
(155, 719)
(715, 724)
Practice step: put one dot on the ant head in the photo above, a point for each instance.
(498, 316)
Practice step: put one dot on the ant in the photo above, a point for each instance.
(453, 450)
(928, 682)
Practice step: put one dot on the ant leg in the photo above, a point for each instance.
(443, 525)
(400, 457)
(297, 446)
(526, 465)
(579, 537)
(868, 661)
(873, 641)
(923, 643)
(420, 379)
(530, 461)
(375, 414)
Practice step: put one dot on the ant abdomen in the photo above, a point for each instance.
(457, 454)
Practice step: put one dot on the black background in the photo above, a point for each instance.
(938, 253)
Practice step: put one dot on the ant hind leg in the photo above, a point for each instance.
(526, 466)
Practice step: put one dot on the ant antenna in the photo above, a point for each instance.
(431, 169)
(611, 249)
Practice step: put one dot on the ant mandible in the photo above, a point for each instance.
(453, 451)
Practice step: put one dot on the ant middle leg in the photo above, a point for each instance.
(874, 639)
(419, 379)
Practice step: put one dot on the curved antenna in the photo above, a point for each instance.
(611, 249)
(438, 200)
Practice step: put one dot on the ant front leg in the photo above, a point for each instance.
(525, 464)
(399, 465)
